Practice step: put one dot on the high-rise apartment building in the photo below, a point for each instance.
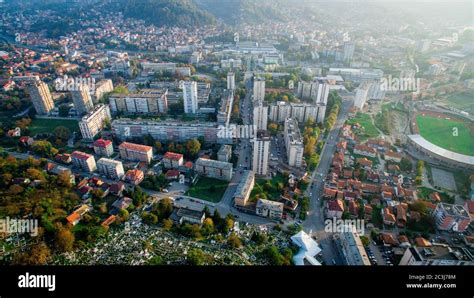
(40, 97)
(231, 80)
(92, 123)
(190, 97)
(261, 153)
(258, 89)
(293, 143)
(82, 99)
(260, 116)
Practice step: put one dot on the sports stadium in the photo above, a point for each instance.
(444, 137)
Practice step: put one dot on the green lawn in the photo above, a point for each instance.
(425, 192)
(462, 100)
(48, 125)
(369, 130)
(208, 189)
(440, 131)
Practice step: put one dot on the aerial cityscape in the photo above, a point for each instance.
(208, 132)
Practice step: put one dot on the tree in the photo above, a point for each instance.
(273, 128)
(44, 148)
(405, 164)
(15, 189)
(64, 110)
(64, 240)
(158, 146)
(207, 212)
(167, 224)
(38, 255)
(193, 146)
(34, 174)
(208, 226)
(149, 218)
(62, 132)
(259, 238)
(234, 241)
(196, 257)
(64, 179)
(124, 215)
(164, 208)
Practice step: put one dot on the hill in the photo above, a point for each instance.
(181, 13)
(242, 11)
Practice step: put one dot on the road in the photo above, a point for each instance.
(314, 223)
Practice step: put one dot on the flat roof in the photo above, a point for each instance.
(435, 149)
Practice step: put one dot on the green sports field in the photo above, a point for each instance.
(441, 132)
(48, 125)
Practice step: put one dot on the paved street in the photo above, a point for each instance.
(314, 222)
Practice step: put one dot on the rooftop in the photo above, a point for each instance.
(102, 143)
(135, 147)
(81, 155)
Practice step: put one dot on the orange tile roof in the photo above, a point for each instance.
(73, 217)
(135, 147)
(173, 155)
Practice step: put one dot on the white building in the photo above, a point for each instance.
(166, 130)
(40, 97)
(316, 91)
(309, 249)
(83, 161)
(140, 103)
(293, 143)
(361, 97)
(92, 123)
(190, 97)
(301, 112)
(101, 88)
(225, 153)
(111, 168)
(349, 48)
(82, 99)
(261, 152)
(230, 80)
(351, 247)
(244, 188)
(258, 89)
(260, 116)
(269, 209)
(214, 169)
(437, 255)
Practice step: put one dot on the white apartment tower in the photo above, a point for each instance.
(260, 116)
(361, 96)
(230, 81)
(293, 143)
(258, 89)
(41, 97)
(82, 99)
(261, 152)
(190, 97)
(92, 123)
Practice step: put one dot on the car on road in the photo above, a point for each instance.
(165, 190)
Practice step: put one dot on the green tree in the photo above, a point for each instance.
(196, 257)
(64, 240)
(62, 132)
(193, 146)
(234, 241)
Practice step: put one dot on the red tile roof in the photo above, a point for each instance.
(173, 155)
(80, 155)
(336, 205)
(135, 147)
(102, 143)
